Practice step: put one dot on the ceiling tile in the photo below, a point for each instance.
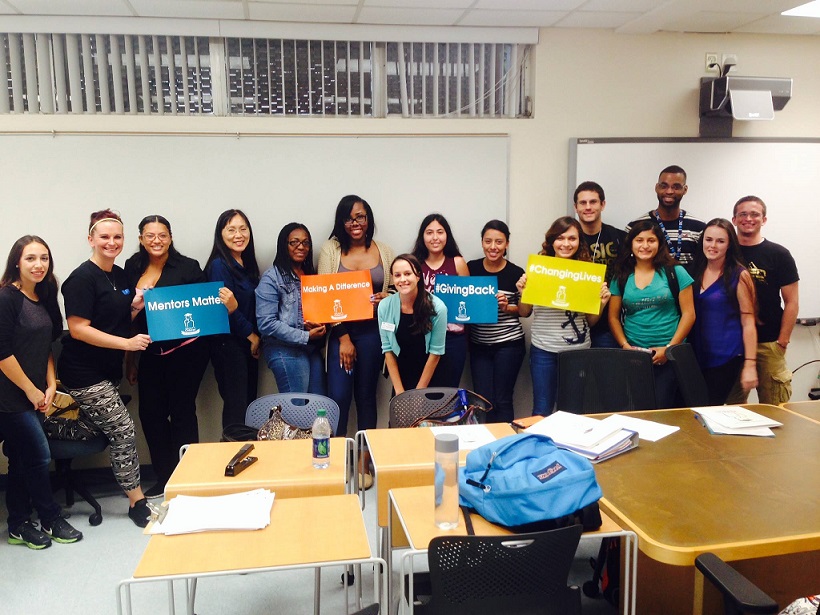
(543, 6)
(325, 2)
(197, 9)
(311, 13)
(623, 6)
(418, 4)
(713, 21)
(541, 19)
(782, 25)
(72, 7)
(422, 17)
(595, 19)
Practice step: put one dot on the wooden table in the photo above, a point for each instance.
(753, 501)
(809, 409)
(285, 467)
(303, 533)
(412, 510)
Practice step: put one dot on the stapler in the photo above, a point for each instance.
(240, 461)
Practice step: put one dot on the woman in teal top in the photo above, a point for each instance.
(653, 319)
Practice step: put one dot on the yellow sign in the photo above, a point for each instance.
(564, 284)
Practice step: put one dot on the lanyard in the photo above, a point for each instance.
(677, 250)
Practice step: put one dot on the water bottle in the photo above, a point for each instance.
(446, 481)
(321, 440)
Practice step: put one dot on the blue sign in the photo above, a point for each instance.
(469, 299)
(186, 311)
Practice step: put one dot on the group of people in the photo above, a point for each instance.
(669, 278)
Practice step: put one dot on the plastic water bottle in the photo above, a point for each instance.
(446, 481)
(321, 440)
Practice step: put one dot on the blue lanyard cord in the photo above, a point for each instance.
(676, 252)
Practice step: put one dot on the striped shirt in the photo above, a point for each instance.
(559, 330)
(508, 329)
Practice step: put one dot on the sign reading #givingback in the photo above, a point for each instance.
(337, 297)
(564, 284)
(469, 299)
(189, 310)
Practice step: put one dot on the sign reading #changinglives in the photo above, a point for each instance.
(564, 284)
(186, 311)
(469, 299)
(337, 297)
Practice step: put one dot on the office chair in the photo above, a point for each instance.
(740, 596)
(406, 408)
(605, 380)
(691, 384)
(521, 574)
(298, 409)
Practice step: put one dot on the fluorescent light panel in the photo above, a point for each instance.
(810, 9)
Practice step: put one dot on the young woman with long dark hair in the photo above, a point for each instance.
(30, 321)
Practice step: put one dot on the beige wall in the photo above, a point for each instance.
(588, 83)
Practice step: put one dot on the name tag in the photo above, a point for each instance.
(388, 326)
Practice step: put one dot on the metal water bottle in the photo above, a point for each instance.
(446, 481)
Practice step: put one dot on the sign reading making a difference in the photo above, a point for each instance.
(469, 299)
(189, 310)
(564, 284)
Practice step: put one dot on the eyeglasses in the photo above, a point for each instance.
(242, 230)
(150, 237)
(295, 243)
(754, 215)
(359, 219)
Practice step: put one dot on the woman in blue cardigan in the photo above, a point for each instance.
(413, 327)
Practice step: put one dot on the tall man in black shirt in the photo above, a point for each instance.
(681, 230)
(603, 241)
(775, 274)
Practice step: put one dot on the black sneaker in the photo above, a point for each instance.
(157, 491)
(62, 531)
(28, 534)
(140, 513)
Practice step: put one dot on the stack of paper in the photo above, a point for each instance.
(249, 510)
(591, 438)
(469, 436)
(735, 420)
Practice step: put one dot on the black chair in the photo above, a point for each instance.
(515, 575)
(691, 383)
(605, 380)
(740, 596)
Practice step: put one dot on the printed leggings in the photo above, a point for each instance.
(102, 405)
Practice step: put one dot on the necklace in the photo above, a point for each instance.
(597, 245)
(677, 250)
(108, 275)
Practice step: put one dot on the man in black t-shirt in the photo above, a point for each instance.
(775, 275)
(603, 241)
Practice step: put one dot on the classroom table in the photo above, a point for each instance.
(411, 508)
(752, 501)
(810, 409)
(284, 466)
(301, 534)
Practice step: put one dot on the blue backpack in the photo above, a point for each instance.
(525, 480)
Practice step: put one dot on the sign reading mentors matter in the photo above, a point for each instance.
(186, 311)
(564, 284)
(469, 299)
(337, 297)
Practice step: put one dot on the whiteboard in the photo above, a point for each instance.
(51, 184)
(719, 172)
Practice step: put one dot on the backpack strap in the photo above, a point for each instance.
(674, 285)
(468, 522)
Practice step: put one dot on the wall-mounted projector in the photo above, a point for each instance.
(744, 98)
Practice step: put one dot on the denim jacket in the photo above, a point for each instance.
(279, 309)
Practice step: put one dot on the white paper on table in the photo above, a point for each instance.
(735, 417)
(248, 510)
(577, 429)
(469, 436)
(651, 431)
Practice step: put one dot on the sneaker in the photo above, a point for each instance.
(62, 531)
(28, 534)
(157, 491)
(139, 513)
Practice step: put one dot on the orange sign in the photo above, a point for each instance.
(337, 297)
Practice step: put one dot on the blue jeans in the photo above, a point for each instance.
(451, 365)
(495, 369)
(28, 483)
(603, 339)
(296, 369)
(544, 371)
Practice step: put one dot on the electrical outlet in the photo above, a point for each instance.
(711, 58)
(731, 58)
